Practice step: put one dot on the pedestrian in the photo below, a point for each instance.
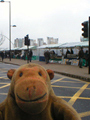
(81, 55)
(86, 58)
(71, 51)
(47, 56)
(2, 55)
(68, 52)
(30, 55)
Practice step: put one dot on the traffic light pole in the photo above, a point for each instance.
(27, 53)
(89, 44)
(27, 42)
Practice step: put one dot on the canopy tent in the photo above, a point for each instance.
(50, 46)
(65, 45)
(4, 49)
(69, 45)
(25, 47)
(83, 44)
(15, 48)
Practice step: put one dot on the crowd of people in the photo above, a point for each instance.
(81, 55)
(48, 54)
(18, 55)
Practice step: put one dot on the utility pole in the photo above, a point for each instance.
(89, 42)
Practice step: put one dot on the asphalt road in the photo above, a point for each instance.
(74, 91)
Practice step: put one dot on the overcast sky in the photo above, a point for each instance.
(44, 18)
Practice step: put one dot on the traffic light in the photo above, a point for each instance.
(85, 29)
(27, 40)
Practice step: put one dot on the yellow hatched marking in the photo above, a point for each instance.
(65, 86)
(72, 78)
(71, 97)
(84, 114)
(3, 83)
(3, 93)
(69, 87)
(77, 94)
(64, 96)
(3, 71)
(3, 77)
(84, 98)
(71, 81)
(88, 88)
(57, 80)
(5, 86)
(6, 78)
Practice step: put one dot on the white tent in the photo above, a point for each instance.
(25, 47)
(69, 45)
(65, 45)
(83, 44)
(50, 46)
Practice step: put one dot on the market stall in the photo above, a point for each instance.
(62, 48)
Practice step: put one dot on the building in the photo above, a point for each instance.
(40, 42)
(19, 42)
(51, 40)
(33, 42)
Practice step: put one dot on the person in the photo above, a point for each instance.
(2, 55)
(30, 55)
(81, 55)
(47, 56)
(24, 56)
(86, 58)
(68, 52)
(71, 51)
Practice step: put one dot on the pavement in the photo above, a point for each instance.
(67, 70)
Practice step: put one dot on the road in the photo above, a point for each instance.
(74, 91)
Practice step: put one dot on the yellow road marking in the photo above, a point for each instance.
(3, 77)
(69, 87)
(71, 81)
(3, 83)
(71, 78)
(84, 114)
(57, 80)
(84, 98)
(2, 71)
(77, 94)
(65, 86)
(3, 93)
(5, 86)
(64, 96)
(88, 88)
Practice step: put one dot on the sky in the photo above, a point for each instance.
(44, 18)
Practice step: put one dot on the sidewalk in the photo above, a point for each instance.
(68, 70)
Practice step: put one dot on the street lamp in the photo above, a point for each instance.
(9, 27)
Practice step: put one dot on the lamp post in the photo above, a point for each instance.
(9, 27)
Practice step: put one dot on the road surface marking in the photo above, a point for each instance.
(57, 80)
(84, 114)
(5, 86)
(77, 94)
